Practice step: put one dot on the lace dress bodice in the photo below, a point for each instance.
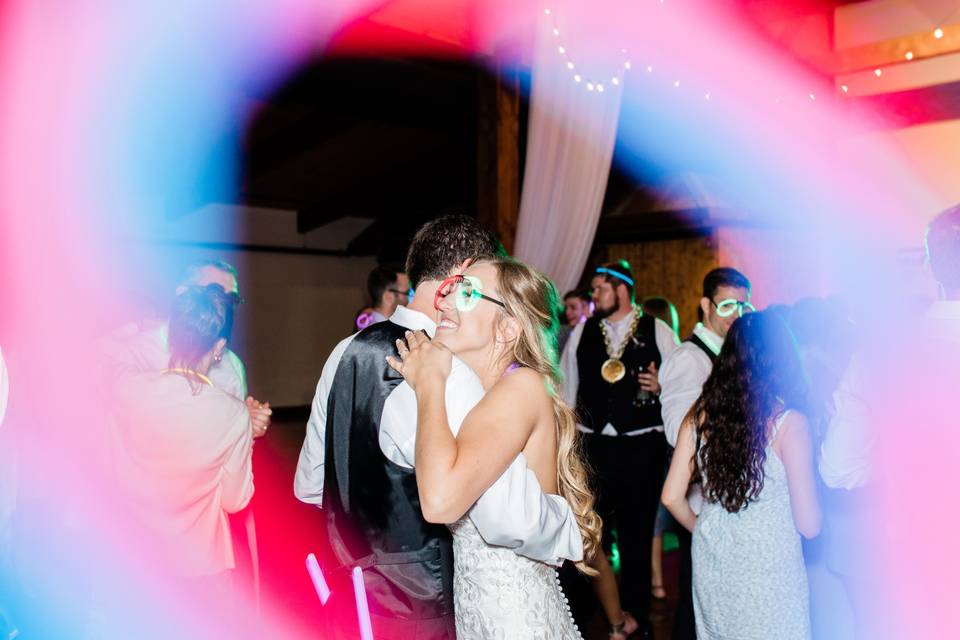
(499, 595)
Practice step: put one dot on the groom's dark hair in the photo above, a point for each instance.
(443, 244)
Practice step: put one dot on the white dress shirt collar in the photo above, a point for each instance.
(712, 340)
(413, 320)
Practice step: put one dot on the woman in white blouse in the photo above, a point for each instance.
(184, 447)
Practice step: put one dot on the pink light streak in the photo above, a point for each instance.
(363, 610)
(316, 576)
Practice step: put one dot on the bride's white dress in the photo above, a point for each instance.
(499, 595)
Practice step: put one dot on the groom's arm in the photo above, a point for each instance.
(514, 511)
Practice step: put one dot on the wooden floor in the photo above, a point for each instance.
(287, 531)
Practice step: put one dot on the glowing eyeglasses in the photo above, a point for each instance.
(467, 292)
(726, 308)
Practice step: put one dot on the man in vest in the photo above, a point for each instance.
(610, 375)
(358, 456)
(726, 296)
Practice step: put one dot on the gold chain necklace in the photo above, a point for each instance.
(184, 371)
(613, 369)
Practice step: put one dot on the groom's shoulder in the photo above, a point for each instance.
(381, 333)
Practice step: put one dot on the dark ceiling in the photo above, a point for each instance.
(394, 141)
(390, 140)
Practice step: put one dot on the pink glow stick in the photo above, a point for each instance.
(363, 611)
(316, 575)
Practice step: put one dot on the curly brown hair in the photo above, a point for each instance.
(757, 378)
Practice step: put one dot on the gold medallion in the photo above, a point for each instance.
(613, 370)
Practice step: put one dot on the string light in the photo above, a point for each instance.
(676, 83)
(938, 33)
(591, 84)
(813, 97)
(878, 72)
(706, 96)
(908, 55)
(844, 88)
(649, 68)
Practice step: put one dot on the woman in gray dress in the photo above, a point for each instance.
(748, 442)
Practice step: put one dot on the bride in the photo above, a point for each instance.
(499, 318)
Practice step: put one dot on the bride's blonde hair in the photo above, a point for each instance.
(532, 301)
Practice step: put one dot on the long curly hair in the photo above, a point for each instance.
(531, 299)
(758, 376)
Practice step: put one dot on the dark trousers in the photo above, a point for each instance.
(629, 478)
(684, 622)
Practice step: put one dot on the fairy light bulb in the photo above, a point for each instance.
(938, 33)
(878, 72)
(908, 55)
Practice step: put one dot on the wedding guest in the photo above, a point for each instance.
(185, 445)
(144, 347)
(610, 375)
(726, 296)
(577, 308)
(387, 289)
(747, 441)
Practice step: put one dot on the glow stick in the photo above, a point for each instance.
(363, 611)
(316, 575)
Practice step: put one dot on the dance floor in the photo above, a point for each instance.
(287, 531)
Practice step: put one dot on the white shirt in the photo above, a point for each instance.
(681, 379)
(666, 341)
(514, 512)
(847, 444)
(185, 463)
(681, 382)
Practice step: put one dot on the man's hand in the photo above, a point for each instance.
(260, 413)
(648, 379)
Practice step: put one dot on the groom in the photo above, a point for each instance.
(358, 456)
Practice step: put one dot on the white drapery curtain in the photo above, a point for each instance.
(572, 131)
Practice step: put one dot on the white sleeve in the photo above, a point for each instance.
(515, 513)
(667, 341)
(308, 481)
(568, 367)
(846, 448)
(681, 380)
(398, 426)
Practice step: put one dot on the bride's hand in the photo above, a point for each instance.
(421, 359)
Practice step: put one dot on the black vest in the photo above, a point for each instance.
(373, 511)
(600, 402)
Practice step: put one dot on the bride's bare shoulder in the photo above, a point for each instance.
(523, 381)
